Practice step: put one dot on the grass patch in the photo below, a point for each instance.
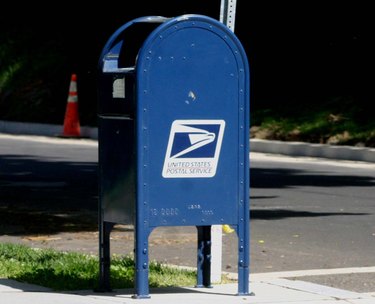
(77, 271)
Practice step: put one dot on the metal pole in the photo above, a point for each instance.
(227, 16)
(228, 13)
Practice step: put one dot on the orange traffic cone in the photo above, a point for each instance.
(72, 126)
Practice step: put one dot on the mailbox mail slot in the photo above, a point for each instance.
(173, 137)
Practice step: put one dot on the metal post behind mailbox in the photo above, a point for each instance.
(173, 138)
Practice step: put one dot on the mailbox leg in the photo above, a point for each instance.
(243, 259)
(204, 257)
(141, 263)
(104, 256)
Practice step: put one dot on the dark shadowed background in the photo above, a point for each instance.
(299, 52)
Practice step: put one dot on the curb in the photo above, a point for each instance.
(313, 150)
(24, 128)
(256, 145)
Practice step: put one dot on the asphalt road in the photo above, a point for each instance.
(305, 213)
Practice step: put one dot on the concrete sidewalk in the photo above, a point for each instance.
(266, 290)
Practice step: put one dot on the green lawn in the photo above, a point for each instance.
(76, 271)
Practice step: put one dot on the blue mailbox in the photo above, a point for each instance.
(174, 137)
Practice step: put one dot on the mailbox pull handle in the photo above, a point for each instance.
(112, 48)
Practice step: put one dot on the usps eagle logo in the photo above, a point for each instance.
(193, 148)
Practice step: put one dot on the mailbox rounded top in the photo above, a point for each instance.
(139, 35)
(190, 22)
